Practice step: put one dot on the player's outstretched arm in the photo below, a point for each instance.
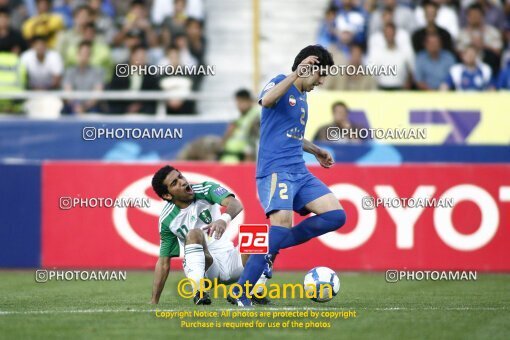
(325, 159)
(160, 275)
(271, 96)
(234, 207)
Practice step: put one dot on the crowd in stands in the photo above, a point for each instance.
(75, 46)
(459, 45)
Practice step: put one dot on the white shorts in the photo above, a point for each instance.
(227, 266)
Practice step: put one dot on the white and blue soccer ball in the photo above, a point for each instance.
(321, 284)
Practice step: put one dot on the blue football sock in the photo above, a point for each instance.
(314, 226)
(256, 263)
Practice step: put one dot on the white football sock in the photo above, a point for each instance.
(261, 282)
(195, 263)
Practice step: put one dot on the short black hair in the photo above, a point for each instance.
(475, 7)
(137, 3)
(158, 179)
(339, 103)
(82, 7)
(325, 58)
(192, 20)
(91, 25)
(39, 37)
(243, 94)
(429, 3)
(391, 25)
(138, 47)
(5, 10)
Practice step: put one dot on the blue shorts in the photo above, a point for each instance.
(288, 191)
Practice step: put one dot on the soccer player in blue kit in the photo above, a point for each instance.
(284, 184)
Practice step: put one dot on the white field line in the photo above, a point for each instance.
(332, 309)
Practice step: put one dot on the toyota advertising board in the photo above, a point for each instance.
(473, 234)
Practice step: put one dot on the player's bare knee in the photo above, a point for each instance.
(282, 218)
(195, 236)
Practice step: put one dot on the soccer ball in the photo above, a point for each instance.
(321, 284)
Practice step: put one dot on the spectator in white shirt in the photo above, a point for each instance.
(404, 17)
(163, 8)
(44, 66)
(377, 40)
(393, 54)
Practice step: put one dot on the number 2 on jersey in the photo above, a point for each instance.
(283, 191)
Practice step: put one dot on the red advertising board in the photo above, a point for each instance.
(81, 232)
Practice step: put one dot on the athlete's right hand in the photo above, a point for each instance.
(310, 60)
(217, 228)
(303, 69)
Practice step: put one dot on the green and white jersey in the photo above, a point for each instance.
(175, 223)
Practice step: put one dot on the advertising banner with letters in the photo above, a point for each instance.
(451, 118)
(106, 216)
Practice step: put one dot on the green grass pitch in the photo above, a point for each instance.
(404, 310)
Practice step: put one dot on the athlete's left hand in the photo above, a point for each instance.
(217, 228)
(325, 159)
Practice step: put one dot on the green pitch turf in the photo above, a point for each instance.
(403, 310)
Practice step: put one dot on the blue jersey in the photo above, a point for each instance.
(461, 78)
(282, 129)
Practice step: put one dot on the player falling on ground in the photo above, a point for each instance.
(284, 183)
(191, 218)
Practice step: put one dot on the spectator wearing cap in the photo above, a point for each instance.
(11, 40)
(432, 64)
(430, 9)
(470, 75)
(83, 77)
(44, 66)
(44, 24)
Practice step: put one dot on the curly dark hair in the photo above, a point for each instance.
(159, 177)
(325, 58)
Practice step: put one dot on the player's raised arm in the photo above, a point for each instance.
(325, 159)
(270, 98)
(160, 275)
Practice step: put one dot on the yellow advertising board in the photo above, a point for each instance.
(465, 118)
